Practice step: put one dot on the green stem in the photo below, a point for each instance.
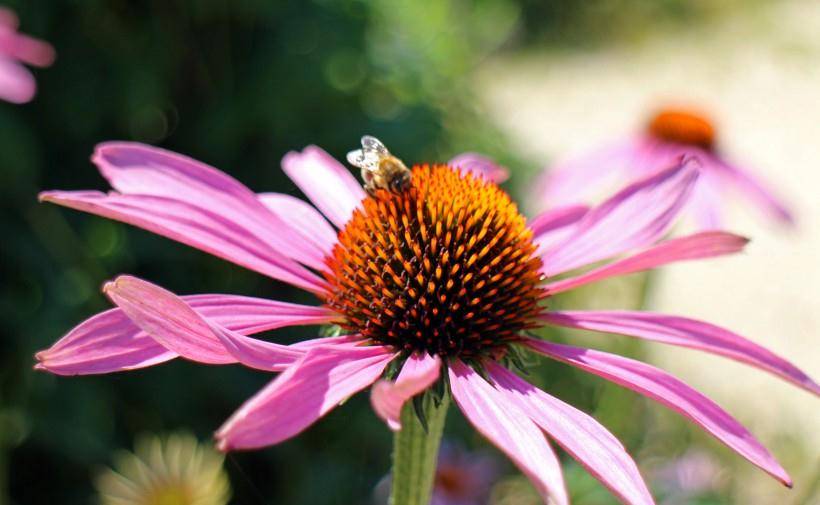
(415, 452)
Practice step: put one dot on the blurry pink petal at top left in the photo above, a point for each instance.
(17, 85)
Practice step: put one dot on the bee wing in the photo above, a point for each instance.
(369, 156)
(374, 145)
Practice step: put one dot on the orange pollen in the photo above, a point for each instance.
(683, 127)
(447, 266)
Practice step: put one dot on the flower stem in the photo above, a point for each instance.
(415, 452)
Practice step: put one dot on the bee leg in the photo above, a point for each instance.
(369, 183)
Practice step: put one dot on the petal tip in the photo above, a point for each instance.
(109, 286)
(116, 284)
(222, 444)
(45, 196)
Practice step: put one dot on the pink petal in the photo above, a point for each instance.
(138, 169)
(111, 342)
(707, 202)
(323, 378)
(666, 389)
(418, 373)
(758, 192)
(557, 218)
(499, 419)
(700, 245)
(193, 226)
(635, 217)
(579, 434)
(254, 353)
(326, 182)
(17, 46)
(303, 219)
(686, 333)
(578, 180)
(554, 226)
(178, 327)
(16, 83)
(481, 166)
(8, 18)
(340, 341)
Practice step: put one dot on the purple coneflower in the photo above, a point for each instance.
(438, 281)
(669, 134)
(16, 82)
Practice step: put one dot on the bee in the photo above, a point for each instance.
(380, 169)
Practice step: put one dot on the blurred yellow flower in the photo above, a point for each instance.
(171, 470)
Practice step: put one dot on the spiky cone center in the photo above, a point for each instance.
(683, 127)
(446, 266)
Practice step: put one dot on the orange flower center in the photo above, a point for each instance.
(446, 266)
(683, 127)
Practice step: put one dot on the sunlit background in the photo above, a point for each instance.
(238, 84)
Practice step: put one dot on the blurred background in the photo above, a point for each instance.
(237, 84)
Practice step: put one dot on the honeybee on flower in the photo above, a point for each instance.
(380, 169)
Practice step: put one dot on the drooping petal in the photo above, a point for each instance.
(758, 192)
(418, 373)
(592, 445)
(178, 327)
(138, 169)
(686, 333)
(17, 85)
(107, 342)
(111, 342)
(510, 429)
(342, 340)
(193, 226)
(481, 166)
(700, 245)
(637, 216)
(303, 393)
(303, 219)
(269, 356)
(326, 182)
(670, 391)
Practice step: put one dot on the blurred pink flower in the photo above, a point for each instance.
(462, 478)
(16, 82)
(443, 276)
(692, 474)
(670, 134)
